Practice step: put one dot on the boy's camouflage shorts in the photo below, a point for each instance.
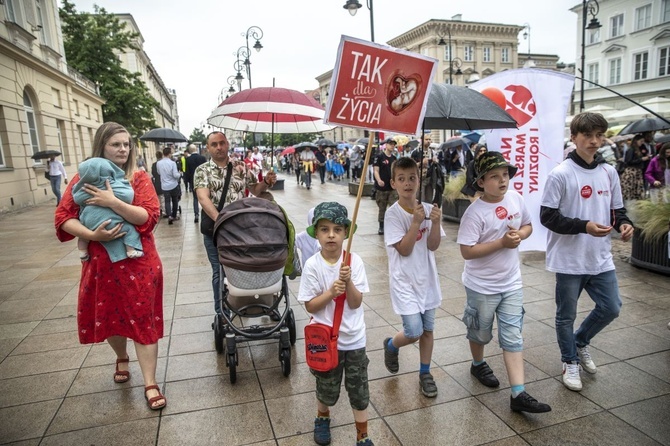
(354, 364)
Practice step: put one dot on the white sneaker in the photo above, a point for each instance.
(585, 360)
(571, 378)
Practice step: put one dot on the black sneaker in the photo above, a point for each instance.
(322, 430)
(428, 387)
(390, 358)
(484, 375)
(526, 403)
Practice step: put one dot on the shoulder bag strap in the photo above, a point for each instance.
(222, 201)
(339, 304)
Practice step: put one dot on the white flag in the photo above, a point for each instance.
(538, 100)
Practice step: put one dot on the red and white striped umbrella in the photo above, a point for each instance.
(270, 109)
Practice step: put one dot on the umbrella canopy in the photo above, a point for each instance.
(343, 145)
(473, 137)
(163, 135)
(288, 151)
(323, 142)
(268, 110)
(646, 125)
(303, 145)
(454, 107)
(657, 105)
(663, 139)
(414, 143)
(45, 154)
(455, 142)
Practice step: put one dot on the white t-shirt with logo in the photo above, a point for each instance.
(485, 222)
(587, 194)
(318, 276)
(414, 284)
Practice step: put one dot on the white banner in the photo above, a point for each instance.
(538, 100)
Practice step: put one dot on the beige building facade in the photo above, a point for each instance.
(44, 104)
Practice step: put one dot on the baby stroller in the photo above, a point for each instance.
(252, 239)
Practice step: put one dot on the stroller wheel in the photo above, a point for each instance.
(218, 334)
(290, 321)
(285, 360)
(232, 368)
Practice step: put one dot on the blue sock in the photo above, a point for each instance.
(478, 363)
(392, 348)
(424, 368)
(516, 390)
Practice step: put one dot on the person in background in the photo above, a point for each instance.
(192, 162)
(122, 300)
(386, 195)
(632, 181)
(656, 172)
(470, 174)
(156, 180)
(56, 175)
(167, 169)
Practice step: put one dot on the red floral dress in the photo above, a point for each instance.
(123, 298)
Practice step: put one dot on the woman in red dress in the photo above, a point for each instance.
(124, 299)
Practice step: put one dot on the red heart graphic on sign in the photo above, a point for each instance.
(401, 92)
(521, 105)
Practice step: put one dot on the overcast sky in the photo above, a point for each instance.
(191, 44)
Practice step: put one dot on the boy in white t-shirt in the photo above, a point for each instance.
(581, 204)
(412, 233)
(489, 234)
(325, 277)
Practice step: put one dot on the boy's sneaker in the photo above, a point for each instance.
(365, 442)
(585, 359)
(390, 358)
(571, 378)
(322, 430)
(428, 387)
(484, 374)
(526, 403)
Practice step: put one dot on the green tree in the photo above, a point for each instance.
(92, 42)
(197, 135)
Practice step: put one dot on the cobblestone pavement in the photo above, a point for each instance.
(54, 391)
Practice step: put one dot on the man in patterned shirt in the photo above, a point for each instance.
(208, 183)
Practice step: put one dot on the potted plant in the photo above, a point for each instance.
(454, 202)
(650, 239)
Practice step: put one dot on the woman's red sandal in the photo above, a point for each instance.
(151, 401)
(121, 376)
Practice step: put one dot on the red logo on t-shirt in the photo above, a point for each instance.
(501, 212)
(586, 192)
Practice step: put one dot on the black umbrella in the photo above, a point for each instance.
(455, 142)
(163, 135)
(645, 125)
(413, 144)
(460, 108)
(663, 139)
(323, 142)
(303, 145)
(45, 154)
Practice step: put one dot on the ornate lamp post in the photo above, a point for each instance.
(526, 35)
(353, 6)
(455, 63)
(255, 33)
(591, 7)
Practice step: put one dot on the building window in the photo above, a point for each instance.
(616, 26)
(665, 11)
(487, 54)
(643, 17)
(664, 60)
(468, 53)
(88, 112)
(81, 142)
(615, 71)
(76, 107)
(593, 74)
(55, 95)
(31, 120)
(42, 21)
(447, 53)
(97, 115)
(504, 55)
(593, 36)
(641, 66)
(11, 12)
(60, 132)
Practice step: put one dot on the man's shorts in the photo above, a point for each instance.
(480, 310)
(354, 364)
(413, 325)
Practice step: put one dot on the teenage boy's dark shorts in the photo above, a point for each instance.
(354, 364)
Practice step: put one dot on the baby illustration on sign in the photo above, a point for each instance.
(95, 172)
(401, 93)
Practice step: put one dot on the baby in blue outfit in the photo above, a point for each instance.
(95, 171)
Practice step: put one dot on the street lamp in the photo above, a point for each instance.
(242, 63)
(353, 6)
(255, 33)
(526, 35)
(454, 62)
(591, 7)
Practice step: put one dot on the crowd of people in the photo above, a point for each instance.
(121, 287)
